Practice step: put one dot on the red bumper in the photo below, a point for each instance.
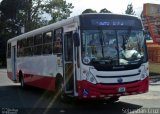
(89, 90)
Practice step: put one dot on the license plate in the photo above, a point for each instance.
(121, 89)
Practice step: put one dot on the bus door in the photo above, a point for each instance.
(13, 60)
(70, 60)
(68, 70)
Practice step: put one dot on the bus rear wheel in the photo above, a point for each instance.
(59, 88)
(22, 81)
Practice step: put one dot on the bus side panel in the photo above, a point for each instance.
(40, 81)
(9, 68)
(39, 71)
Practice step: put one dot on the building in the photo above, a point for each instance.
(151, 21)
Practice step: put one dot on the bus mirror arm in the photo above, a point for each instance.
(76, 39)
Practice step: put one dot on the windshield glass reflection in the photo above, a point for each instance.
(115, 47)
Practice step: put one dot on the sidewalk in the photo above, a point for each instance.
(3, 70)
(154, 80)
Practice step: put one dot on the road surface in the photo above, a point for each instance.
(14, 100)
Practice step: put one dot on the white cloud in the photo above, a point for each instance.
(115, 6)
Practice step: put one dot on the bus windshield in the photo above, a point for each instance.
(113, 47)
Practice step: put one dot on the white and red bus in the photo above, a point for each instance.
(90, 56)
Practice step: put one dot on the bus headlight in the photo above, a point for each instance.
(89, 77)
(144, 74)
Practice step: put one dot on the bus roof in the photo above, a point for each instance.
(44, 29)
(60, 24)
(112, 14)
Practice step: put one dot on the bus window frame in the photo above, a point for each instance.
(38, 46)
(58, 41)
(9, 50)
(48, 43)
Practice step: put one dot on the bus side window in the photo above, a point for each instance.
(47, 43)
(24, 42)
(30, 42)
(21, 47)
(18, 49)
(38, 44)
(19, 54)
(9, 50)
(57, 43)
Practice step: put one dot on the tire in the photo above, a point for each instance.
(22, 82)
(113, 99)
(59, 92)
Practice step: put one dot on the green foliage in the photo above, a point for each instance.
(32, 14)
(28, 14)
(130, 10)
(89, 11)
(104, 10)
(10, 22)
(16, 14)
(58, 9)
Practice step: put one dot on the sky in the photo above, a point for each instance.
(115, 6)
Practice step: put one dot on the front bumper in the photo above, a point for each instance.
(89, 90)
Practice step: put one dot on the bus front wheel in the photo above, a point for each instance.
(113, 99)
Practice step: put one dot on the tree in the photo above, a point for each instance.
(28, 14)
(31, 17)
(89, 11)
(58, 9)
(104, 10)
(130, 10)
(9, 23)
(9, 16)
(20, 13)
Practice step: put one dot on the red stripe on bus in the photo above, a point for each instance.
(40, 81)
(88, 89)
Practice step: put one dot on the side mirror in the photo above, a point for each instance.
(76, 39)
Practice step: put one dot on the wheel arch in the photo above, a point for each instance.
(58, 80)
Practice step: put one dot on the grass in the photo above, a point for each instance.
(154, 74)
(154, 69)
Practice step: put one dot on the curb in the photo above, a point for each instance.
(154, 84)
(154, 77)
(154, 80)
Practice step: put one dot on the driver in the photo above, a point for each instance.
(93, 44)
(110, 50)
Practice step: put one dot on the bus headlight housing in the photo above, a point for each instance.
(86, 75)
(144, 74)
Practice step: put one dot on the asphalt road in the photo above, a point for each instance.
(14, 100)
